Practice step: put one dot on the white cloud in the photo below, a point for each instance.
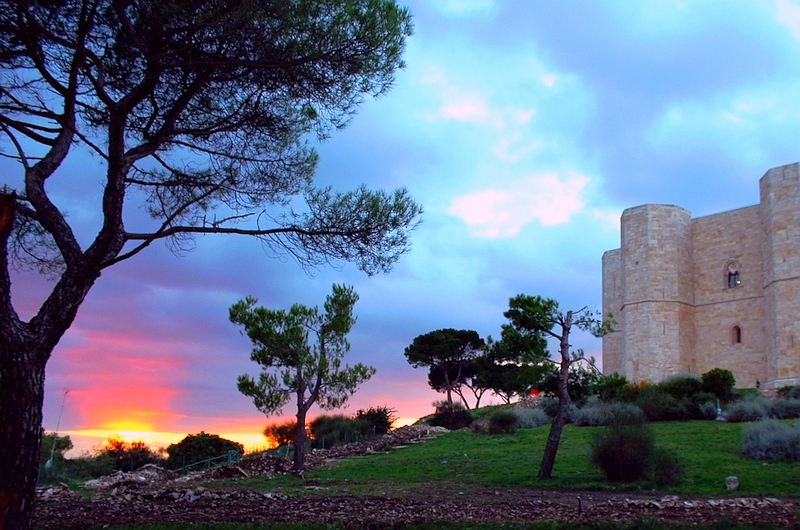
(787, 13)
(608, 220)
(471, 105)
(501, 212)
(548, 80)
(748, 123)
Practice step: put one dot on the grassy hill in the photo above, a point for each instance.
(463, 461)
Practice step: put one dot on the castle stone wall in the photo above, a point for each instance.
(689, 295)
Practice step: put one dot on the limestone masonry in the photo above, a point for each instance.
(721, 291)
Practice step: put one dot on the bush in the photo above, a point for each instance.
(550, 406)
(503, 421)
(682, 386)
(452, 416)
(338, 429)
(623, 452)
(54, 445)
(789, 392)
(771, 440)
(129, 456)
(657, 405)
(281, 433)
(667, 468)
(608, 388)
(630, 393)
(77, 469)
(379, 419)
(719, 382)
(785, 409)
(596, 413)
(199, 447)
(530, 418)
(708, 411)
(751, 408)
(626, 452)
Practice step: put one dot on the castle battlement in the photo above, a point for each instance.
(719, 291)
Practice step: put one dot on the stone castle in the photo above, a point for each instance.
(721, 291)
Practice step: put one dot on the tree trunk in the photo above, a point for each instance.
(21, 400)
(24, 351)
(561, 417)
(299, 461)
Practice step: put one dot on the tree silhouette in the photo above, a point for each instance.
(198, 113)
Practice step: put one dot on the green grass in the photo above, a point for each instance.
(462, 462)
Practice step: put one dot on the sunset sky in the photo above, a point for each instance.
(524, 128)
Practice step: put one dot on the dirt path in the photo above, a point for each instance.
(199, 505)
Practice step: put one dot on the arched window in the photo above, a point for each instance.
(736, 335)
(733, 275)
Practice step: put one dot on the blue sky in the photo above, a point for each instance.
(524, 128)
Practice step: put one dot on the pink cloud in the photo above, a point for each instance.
(549, 199)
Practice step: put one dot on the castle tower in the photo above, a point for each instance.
(656, 310)
(780, 207)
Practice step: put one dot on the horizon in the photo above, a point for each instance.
(524, 129)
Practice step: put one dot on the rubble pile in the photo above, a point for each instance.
(397, 438)
(128, 505)
(61, 492)
(147, 475)
(155, 495)
(128, 494)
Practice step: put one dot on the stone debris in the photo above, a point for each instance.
(131, 506)
(154, 495)
(147, 475)
(61, 492)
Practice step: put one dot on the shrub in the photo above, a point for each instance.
(530, 418)
(625, 452)
(452, 416)
(550, 406)
(77, 469)
(785, 409)
(622, 452)
(682, 386)
(719, 382)
(379, 419)
(751, 408)
(199, 447)
(281, 433)
(789, 392)
(503, 421)
(630, 393)
(657, 405)
(701, 406)
(337, 429)
(771, 440)
(608, 388)
(596, 413)
(129, 456)
(708, 411)
(667, 468)
(52, 449)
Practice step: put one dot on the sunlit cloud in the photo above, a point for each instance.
(748, 123)
(548, 80)
(549, 199)
(609, 220)
(787, 13)
(471, 105)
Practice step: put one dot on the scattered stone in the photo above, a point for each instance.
(732, 483)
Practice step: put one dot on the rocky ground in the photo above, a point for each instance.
(156, 495)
